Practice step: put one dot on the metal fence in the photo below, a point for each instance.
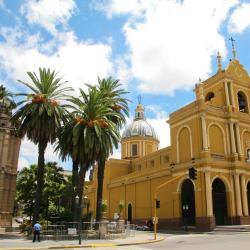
(87, 230)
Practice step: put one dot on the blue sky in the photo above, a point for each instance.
(157, 48)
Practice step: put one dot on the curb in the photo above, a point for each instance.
(88, 245)
(141, 242)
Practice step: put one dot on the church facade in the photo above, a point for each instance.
(212, 135)
(9, 153)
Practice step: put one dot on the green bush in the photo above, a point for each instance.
(26, 227)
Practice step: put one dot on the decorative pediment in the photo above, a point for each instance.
(236, 71)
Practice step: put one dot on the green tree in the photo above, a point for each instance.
(113, 93)
(26, 189)
(54, 185)
(56, 191)
(39, 116)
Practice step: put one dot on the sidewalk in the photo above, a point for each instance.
(24, 244)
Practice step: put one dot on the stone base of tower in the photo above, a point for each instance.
(205, 223)
(5, 219)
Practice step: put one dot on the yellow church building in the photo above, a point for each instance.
(211, 134)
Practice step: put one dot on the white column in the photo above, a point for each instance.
(238, 138)
(237, 195)
(204, 132)
(226, 92)
(244, 195)
(208, 194)
(232, 137)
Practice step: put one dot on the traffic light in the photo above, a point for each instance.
(192, 172)
(157, 203)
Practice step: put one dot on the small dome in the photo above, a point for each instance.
(139, 126)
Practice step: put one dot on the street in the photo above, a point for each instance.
(225, 241)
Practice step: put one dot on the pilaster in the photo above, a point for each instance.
(244, 195)
(237, 195)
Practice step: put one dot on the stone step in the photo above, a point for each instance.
(234, 228)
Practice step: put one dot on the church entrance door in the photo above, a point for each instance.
(248, 196)
(130, 212)
(219, 202)
(188, 202)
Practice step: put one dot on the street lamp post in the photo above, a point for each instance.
(80, 206)
(185, 212)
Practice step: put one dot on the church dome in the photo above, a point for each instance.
(139, 126)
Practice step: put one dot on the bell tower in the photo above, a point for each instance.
(9, 153)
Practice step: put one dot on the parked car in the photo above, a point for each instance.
(145, 225)
(19, 220)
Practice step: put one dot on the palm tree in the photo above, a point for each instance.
(66, 149)
(6, 100)
(39, 116)
(93, 132)
(112, 92)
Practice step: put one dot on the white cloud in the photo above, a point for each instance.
(29, 154)
(162, 129)
(23, 162)
(159, 124)
(172, 43)
(122, 71)
(78, 61)
(48, 14)
(240, 19)
(116, 153)
(118, 7)
(157, 111)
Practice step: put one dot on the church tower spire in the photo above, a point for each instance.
(219, 61)
(139, 111)
(233, 48)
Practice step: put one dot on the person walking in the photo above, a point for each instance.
(36, 231)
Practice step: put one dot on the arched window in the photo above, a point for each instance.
(242, 101)
(248, 155)
(209, 96)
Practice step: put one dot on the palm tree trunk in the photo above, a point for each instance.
(81, 180)
(40, 180)
(74, 184)
(100, 176)
(74, 173)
